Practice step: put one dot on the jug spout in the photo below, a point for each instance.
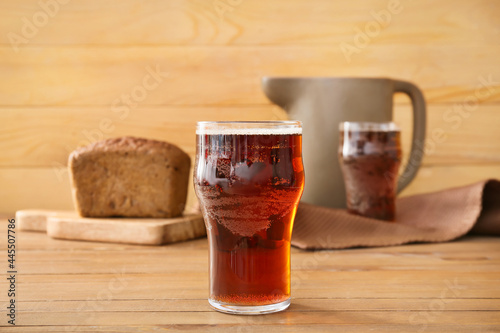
(281, 91)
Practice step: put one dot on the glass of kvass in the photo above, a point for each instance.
(370, 156)
(249, 178)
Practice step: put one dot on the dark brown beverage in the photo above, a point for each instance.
(249, 186)
(370, 162)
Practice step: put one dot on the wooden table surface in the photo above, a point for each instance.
(65, 286)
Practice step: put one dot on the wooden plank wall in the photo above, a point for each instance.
(67, 68)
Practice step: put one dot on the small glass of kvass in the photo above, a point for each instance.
(370, 156)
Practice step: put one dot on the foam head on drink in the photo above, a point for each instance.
(249, 183)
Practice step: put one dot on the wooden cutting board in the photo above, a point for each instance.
(145, 231)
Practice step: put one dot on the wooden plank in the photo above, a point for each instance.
(299, 305)
(439, 261)
(86, 264)
(428, 327)
(77, 76)
(28, 188)
(47, 140)
(131, 231)
(468, 247)
(36, 264)
(34, 219)
(212, 318)
(430, 179)
(316, 283)
(344, 260)
(200, 23)
(454, 135)
(142, 231)
(408, 257)
(35, 188)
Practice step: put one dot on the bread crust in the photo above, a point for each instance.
(130, 177)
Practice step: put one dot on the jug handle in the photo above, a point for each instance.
(419, 120)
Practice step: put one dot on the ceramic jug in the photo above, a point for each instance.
(321, 104)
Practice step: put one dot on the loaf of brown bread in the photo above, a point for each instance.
(130, 177)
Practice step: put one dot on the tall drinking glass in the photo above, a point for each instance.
(249, 178)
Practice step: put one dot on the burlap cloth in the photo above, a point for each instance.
(432, 217)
